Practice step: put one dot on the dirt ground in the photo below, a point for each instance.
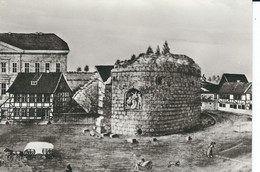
(232, 134)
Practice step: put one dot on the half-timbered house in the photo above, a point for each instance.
(36, 96)
(235, 97)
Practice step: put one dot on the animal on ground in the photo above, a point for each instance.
(177, 164)
(11, 154)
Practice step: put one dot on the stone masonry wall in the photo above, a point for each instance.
(170, 99)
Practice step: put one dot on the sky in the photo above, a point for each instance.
(216, 34)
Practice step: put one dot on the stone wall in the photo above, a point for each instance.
(169, 96)
(107, 106)
(87, 95)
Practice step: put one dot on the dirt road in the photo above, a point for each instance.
(85, 153)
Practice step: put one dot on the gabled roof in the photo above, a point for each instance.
(34, 41)
(236, 88)
(228, 77)
(208, 87)
(47, 83)
(104, 71)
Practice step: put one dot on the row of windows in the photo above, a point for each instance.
(235, 96)
(234, 106)
(32, 98)
(30, 112)
(27, 67)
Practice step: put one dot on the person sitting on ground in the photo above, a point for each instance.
(143, 163)
(69, 169)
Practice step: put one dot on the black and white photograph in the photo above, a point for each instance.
(126, 85)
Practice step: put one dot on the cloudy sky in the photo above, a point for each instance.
(216, 34)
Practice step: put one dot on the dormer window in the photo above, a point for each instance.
(33, 82)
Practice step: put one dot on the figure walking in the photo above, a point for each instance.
(210, 149)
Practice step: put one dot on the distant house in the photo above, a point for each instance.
(104, 89)
(209, 93)
(232, 94)
(29, 52)
(36, 96)
(77, 79)
(228, 77)
(235, 97)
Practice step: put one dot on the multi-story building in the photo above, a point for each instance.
(29, 52)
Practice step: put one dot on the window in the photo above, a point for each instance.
(233, 106)
(243, 106)
(39, 98)
(3, 65)
(46, 98)
(57, 67)
(22, 98)
(37, 67)
(23, 112)
(26, 67)
(32, 98)
(32, 112)
(16, 112)
(14, 67)
(224, 96)
(3, 88)
(222, 105)
(47, 67)
(158, 80)
(33, 82)
(250, 106)
(239, 107)
(237, 97)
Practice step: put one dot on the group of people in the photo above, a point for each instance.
(148, 164)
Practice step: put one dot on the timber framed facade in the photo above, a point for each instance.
(33, 97)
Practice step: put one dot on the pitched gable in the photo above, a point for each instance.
(47, 83)
(227, 77)
(104, 71)
(8, 48)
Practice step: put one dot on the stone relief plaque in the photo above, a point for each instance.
(133, 99)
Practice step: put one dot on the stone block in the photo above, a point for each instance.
(114, 136)
(100, 129)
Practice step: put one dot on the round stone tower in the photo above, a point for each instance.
(155, 95)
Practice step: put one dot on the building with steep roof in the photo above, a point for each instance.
(33, 97)
(235, 97)
(29, 52)
(230, 77)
